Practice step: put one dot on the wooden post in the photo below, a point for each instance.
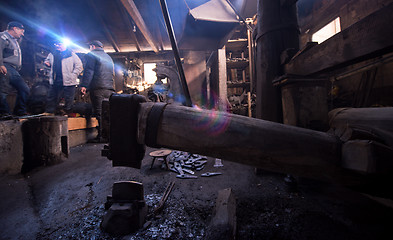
(251, 58)
(277, 31)
(45, 141)
(223, 223)
(249, 104)
(222, 79)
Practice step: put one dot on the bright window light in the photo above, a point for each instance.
(150, 75)
(327, 31)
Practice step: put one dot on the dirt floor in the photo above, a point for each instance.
(66, 201)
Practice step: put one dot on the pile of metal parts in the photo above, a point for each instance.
(185, 164)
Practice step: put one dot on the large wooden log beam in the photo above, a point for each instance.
(358, 42)
(267, 145)
(263, 144)
(363, 123)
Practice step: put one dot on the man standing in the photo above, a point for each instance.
(98, 78)
(10, 64)
(65, 69)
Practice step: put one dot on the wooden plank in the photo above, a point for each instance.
(367, 157)
(238, 64)
(81, 123)
(130, 29)
(107, 32)
(237, 45)
(356, 43)
(239, 85)
(223, 224)
(222, 79)
(137, 17)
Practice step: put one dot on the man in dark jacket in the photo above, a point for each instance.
(10, 64)
(98, 78)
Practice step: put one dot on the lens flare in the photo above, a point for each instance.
(212, 122)
(66, 41)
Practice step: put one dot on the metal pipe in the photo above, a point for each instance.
(240, 16)
(176, 54)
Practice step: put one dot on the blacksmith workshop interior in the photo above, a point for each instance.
(226, 119)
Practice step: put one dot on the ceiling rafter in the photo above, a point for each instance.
(105, 27)
(137, 17)
(130, 27)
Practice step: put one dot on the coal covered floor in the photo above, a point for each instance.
(66, 201)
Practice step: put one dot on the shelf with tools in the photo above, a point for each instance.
(238, 76)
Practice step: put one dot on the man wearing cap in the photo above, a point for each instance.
(65, 68)
(98, 78)
(10, 64)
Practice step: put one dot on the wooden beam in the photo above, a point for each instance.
(110, 38)
(130, 28)
(81, 123)
(160, 39)
(105, 27)
(259, 143)
(349, 123)
(359, 42)
(222, 79)
(137, 17)
(223, 223)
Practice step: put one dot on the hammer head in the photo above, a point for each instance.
(123, 149)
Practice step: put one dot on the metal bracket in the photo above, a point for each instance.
(153, 121)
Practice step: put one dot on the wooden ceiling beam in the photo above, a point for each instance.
(107, 33)
(131, 8)
(130, 27)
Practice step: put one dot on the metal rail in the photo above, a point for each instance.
(175, 49)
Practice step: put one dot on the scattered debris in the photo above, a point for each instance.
(186, 176)
(209, 174)
(218, 163)
(185, 164)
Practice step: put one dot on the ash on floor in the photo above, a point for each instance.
(66, 201)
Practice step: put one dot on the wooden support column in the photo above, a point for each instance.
(251, 58)
(277, 31)
(222, 79)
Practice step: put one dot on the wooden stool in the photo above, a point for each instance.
(160, 153)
